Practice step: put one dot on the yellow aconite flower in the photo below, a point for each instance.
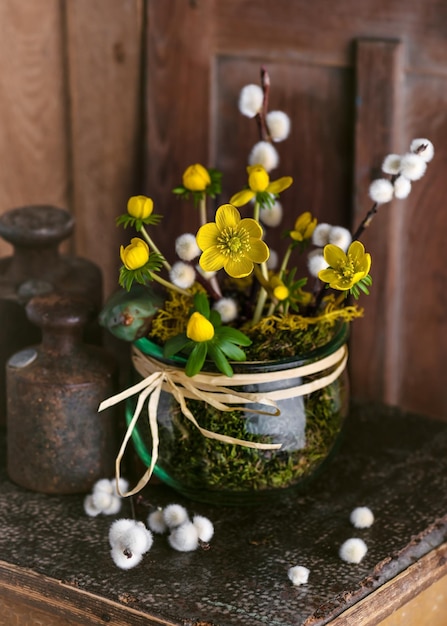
(280, 291)
(258, 182)
(232, 243)
(140, 206)
(199, 328)
(345, 270)
(196, 178)
(304, 227)
(135, 255)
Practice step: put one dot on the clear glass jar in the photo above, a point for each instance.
(308, 429)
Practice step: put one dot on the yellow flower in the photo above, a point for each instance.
(345, 270)
(259, 182)
(232, 243)
(280, 291)
(196, 178)
(199, 328)
(135, 255)
(140, 206)
(304, 227)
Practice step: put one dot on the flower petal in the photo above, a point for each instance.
(207, 236)
(212, 259)
(238, 268)
(253, 227)
(242, 197)
(259, 252)
(227, 215)
(276, 186)
(334, 256)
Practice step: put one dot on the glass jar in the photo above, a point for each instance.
(307, 427)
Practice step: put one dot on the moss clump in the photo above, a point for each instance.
(195, 462)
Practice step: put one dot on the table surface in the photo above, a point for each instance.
(394, 463)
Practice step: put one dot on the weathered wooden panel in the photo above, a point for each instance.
(33, 137)
(104, 40)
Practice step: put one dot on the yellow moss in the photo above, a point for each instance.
(332, 313)
(171, 320)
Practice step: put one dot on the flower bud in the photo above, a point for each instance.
(135, 255)
(196, 178)
(199, 328)
(140, 206)
(258, 179)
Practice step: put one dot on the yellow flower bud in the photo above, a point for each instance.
(140, 206)
(280, 291)
(196, 178)
(199, 328)
(135, 255)
(258, 179)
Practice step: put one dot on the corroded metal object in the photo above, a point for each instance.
(57, 440)
(34, 268)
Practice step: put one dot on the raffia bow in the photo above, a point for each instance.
(212, 389)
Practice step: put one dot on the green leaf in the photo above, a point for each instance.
(220, 360)
(196, 359)
(232, 351)
(233, 335)
(202, 305)
(174, 345)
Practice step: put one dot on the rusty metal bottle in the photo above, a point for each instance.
(57, 442)
(37, 267)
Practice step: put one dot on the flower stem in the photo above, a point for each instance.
(285, 261)
(169, 285)
(155, 248)
(202, 209)
(256, 211)
(262, 296)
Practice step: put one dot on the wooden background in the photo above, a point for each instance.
(102, 99)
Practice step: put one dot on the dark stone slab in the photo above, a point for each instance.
(394, 463)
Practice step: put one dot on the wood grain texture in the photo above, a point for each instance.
(178, 101)
(104, 43)
(378, 71)
(33, 137)
(394, 595)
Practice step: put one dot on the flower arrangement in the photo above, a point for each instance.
(229, 298)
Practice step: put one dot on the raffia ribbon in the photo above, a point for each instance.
(212, 389)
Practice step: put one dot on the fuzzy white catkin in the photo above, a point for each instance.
(381, 191)
(298, 574)
(101, 499)
(184, 538)
(156, 522)
(391, 164)
(124, 561)
(412, 166)
(104, 485)
(182, 275)
(272, 261)
(427, 153)
(271, 216)
(206, 275)
(175, 515)
(250, 100)
(114, 506)
(361, 517)
(402, 187)
(227, 309)
(353, 550)
(278, 124)
(186, 247)
(316, 262)
(123, 486)
(340, 236)
(90, 509)
(128, 534)
(263, 153)
(320, 236)
(204, 526)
